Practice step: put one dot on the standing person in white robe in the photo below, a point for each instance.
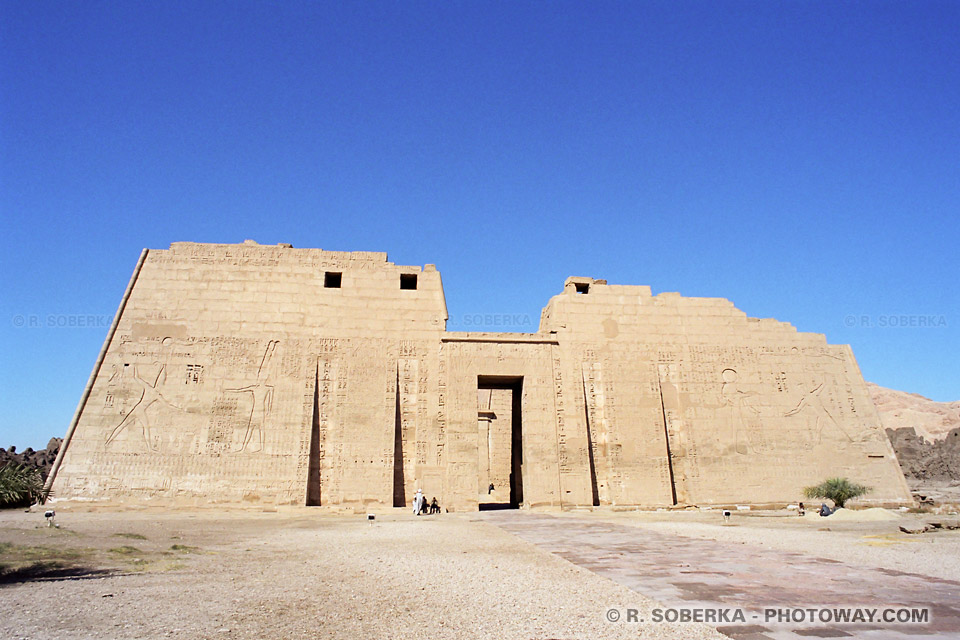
(418, 503)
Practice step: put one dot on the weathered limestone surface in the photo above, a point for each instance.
(282, 375)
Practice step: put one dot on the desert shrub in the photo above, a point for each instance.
(125, 550)
(837, 489)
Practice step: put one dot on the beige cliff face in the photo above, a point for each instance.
(302, 376)
(899, 409)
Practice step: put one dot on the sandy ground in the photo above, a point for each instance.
(300, 574)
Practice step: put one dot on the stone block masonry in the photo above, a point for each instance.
(252, 373)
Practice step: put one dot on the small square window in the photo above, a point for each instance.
(408, 281)
(582, 287)
(332, 279)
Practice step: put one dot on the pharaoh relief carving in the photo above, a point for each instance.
(259, 397)
(817, 417)
(150, 379)
(743, 424)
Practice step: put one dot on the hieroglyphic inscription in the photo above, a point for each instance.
(306, 429)
(194, 374)
(233, 353)
(408, 369)
(222, 420)
(607, 450)
(559, 410)
(328, 380)
(441, 404)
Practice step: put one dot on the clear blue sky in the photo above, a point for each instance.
(801, 159)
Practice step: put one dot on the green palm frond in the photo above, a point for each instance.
(20, 485)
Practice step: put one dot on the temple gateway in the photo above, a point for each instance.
(252, 373)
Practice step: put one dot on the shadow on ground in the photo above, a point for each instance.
(50, 572)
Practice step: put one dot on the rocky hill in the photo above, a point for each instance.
(898, 409)
(925, 434)
(43, 459)
(923, 460)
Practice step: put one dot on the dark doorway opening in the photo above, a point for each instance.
(500, 442)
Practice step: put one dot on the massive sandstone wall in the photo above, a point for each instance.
(267, 373)
(228, 359)
(752, 410)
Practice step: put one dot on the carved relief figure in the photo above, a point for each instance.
(745, 438)
(261, 395)
(812, 404)
(148, 397)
